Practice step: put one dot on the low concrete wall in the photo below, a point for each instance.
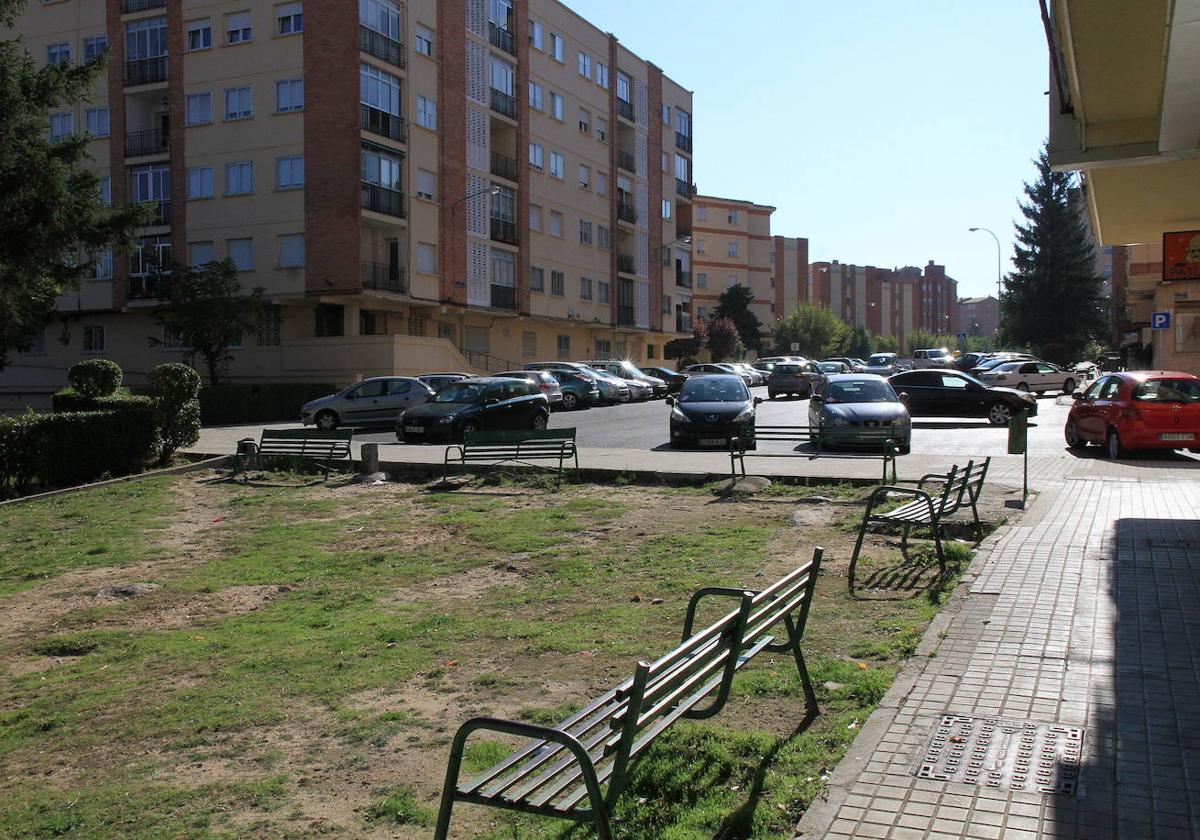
(356, 357)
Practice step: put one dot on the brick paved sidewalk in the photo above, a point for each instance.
(1086, 613)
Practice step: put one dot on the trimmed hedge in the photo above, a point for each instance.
(95, 377)
(222, 405)
(68, 400)
(177, 409)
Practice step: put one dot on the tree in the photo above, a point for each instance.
(687, 348)
(922, 340)
(861, 344)
(723, 339)
(818, 332)
(887, 344)
(734, 304)
(1053, 301)
(52, 218)
(206, 312)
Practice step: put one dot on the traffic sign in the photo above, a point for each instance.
(1160, 320)
(795, 346)
(961, 336)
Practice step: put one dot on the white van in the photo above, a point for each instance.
(937, 357)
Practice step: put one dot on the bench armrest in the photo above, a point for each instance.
(700, 594)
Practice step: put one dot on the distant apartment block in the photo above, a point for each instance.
(978, 316)
(892, 302)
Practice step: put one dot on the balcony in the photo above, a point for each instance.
(504, 230)
(504, 104)
(625, 109)
(146, 287)
(382, 123)
(683, 322)
(684, 189)
(382, 200)
(504, 167)
(131, 6)
(626, 212)
(146, 71)
(384, 278)
(152, 142)
(504, 297)
(683, 142)
(683, 279)
(625, 263)
(380, 46)
(683, 232)
(625, 161)
(625, 316)
(161, 212)
(502, 38)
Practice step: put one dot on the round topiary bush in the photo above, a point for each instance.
(95, 377)
(176, 388)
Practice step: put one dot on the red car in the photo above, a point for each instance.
(1137, 410)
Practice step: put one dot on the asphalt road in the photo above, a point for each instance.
(644, 426)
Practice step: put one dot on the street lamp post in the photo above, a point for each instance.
(453, 217)
(999, 283)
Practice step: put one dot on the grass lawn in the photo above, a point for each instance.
(308, 652)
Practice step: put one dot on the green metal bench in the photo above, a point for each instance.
(578, 769)
(521, 446)
(322, 447)
(879, 441)
(960, 488)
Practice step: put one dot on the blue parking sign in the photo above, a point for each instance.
(1160, 320)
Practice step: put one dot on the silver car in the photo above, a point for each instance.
(642, 386)
(546, 383)
(882, 364)
(379, 400)
(845, 404)
(612, 389)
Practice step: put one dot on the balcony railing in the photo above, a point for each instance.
(503, 166)
(162, 212)
(683, 279)
(683, 322)
(625, 316)
(131, 6)
(625, 263)
(152, 142)
(683, 188)
(504, 104)
(683, 142)
(625, 109)
(146, 71)
(384, 277)
(381, 46)
(625, 160)
(382, 123)
(504, 297)
(502, 38)
(626, 212)
(504, 230)
(382, 200)
(146, 286)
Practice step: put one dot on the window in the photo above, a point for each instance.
(535, 34)
(732, 250)
(666, 304)
(289, 18)
(382, 16)
(602, 75)
(103, 267)
(289, 172)
(666, 209)
(379, 90)
(603, 238)
(556, 47)
(556, 106)
(585, 176)
(585, 121)
(504, 268)
(199, 34)
(149, 183)
(683, 122)
(556, 164)
(381, 169)
(426, 258)
(427, 113)
(665, 162)
(535, 217)
(61, 125)
(702, 280)
(602, 291)
(150, 253)
(557, 279)
(585, 231)
(585, 65)
(701, 214)
(198, 108)
(238, 104)
(585, 288)
(603, 348)
(106, 190)
(504, 204)
(564, 347)
(535, 156)
(237, 28)
(731, 280)
(426, 182)
(535, 96)
(702, 312)
(291, 250)
(555, 223)
(504, 77)
(59, 53)
(537, 279)
(94, 47)
(423, 41)
(624, 88)
(96, 120)
(733, 217)
(239, 178)
(146, 38)
(528, 344)
(93, 338)
(200, 182)
(666, 114)
(601, 183)
(200, 253)
(289, 95)
(241, 251)
(700, 246)
(683, 169)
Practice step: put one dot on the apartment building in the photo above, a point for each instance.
(891, 302)
(732, 244)
(513, 183)
(978, 314)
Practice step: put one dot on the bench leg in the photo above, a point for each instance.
(904, 543)
(862, 533)
(451, 784)
(978, 524)
(810, 694)
(937, 544)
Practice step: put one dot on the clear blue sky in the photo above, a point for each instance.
(881, 130)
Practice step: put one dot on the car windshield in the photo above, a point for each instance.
(992, 363)
(1168, 390)
(714, 389)
(830, 367)
(1006, 367)
(860, 391)
(630, 369)
(460, 392)
(786, 370)
(880, 359)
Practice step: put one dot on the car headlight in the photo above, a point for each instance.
(679, 417)
(745, 414)
(442, 421)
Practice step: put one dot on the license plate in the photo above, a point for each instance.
(417, 429)
(712, 441)
(1177, 436)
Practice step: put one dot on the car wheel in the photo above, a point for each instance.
(625, 397)
(1116, 449)
(1023, 386)
(570, 402)
(770, 395)
(1071, 433)
(326, 421)
(1069, 387)
(998, 414)
(539, 422)
(468, 426)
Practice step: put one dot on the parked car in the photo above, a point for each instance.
(793, 378)
(721, 369)
(711, 409)
(612, 389)
(1137, 410)
(852, 365)
(376, 400)
(1038, 377)
(546, 383)
(952, 393)
(935, 357)
(996, 359)
(637, 379)
(832, 366)
(757, 377)
(673, 378)
(578, 389)
(882, 364)
(491, 403)
(437, 380)
(969, 360)
(845, 404)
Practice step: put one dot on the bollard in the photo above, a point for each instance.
(370, 459)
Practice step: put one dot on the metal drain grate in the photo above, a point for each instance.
(1013, 754)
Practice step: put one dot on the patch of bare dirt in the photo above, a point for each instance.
(469, 585)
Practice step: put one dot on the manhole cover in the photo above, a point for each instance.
(1013, 754)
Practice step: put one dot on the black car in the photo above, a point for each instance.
(673, 378)
(711, 409)
(969, 361)
(474, 404)
(951, 393)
